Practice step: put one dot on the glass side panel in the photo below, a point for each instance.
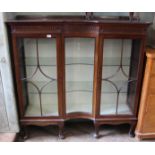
(39, 77)
(119, 76)
(79, 63)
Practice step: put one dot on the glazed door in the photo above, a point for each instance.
(119, 76)
(37, 75)
(79, 74)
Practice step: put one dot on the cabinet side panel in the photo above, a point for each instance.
(135, 54)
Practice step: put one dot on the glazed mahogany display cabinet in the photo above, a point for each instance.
(77, 68)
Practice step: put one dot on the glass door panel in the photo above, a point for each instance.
(79, 66)
(119, 76)
(39, 76)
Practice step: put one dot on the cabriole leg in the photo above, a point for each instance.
(23, 135)
(61, 130)
(96, 134)
(132, 130)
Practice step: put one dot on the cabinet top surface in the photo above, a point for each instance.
(75, 19)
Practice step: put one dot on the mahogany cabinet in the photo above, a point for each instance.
(77, 68)
(146, 117)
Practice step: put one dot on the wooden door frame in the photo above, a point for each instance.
(16, 61)
(139, 76)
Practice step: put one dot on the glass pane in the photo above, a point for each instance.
(79, 54)
(39, 76)
(119, 76)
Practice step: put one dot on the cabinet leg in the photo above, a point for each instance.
(132, 130)
(23, 135)
(96, 134)
(61, 130)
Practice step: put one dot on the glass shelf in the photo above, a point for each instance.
(42, 96)
(79, 102)
(76, 86)
(48, 108)
(71, 86)
(108, 87)
(41, 76)
(108, 104)
(50, 61)
(79, 95)
(115, 61)
(49, 87)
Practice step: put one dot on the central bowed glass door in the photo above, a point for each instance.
(79, 66)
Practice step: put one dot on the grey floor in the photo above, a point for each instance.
(76, 132)
(80, 132)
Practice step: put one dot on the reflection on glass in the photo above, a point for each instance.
(79, 63)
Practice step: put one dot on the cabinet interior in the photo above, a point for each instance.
(39, 75)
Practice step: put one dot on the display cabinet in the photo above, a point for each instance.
(77, 68)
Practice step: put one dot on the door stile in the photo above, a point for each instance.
(61, 76)
(97, 76)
